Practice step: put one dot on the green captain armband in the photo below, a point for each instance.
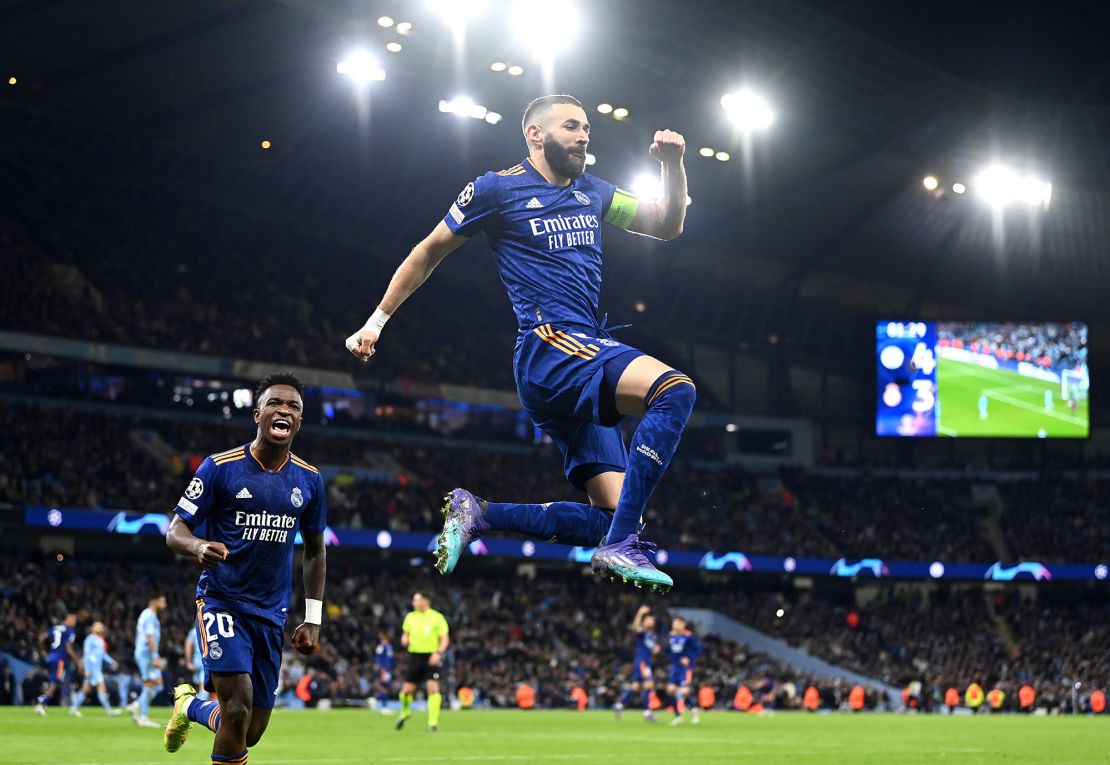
(622, 209)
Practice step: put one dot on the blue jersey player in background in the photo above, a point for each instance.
(60, 655)
(94, 654)
(148, 636)
(383, 659)
(251, 500)
(684, 649)
(643, 679)
(543, 218)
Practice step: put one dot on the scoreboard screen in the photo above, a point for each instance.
(986, 379)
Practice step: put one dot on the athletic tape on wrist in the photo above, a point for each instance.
(376, 322)
(313, 611)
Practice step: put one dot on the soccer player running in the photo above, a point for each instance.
(383, 658)
(647, 645)
(684, 648)
(148, 634)
(60, 656)
(251, 501)
(94, 654)
(543, 221)
(426, 636)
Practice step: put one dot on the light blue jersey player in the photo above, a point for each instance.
(148, 638)
(240, 518)
(683, 648)
(60, 656)
(542, 218)
(93, 657)
(194, 662)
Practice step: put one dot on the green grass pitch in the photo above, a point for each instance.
(1015, 405)
(358, 736)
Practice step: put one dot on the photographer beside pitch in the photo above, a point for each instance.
(251, 501)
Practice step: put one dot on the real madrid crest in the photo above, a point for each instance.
(296, 497)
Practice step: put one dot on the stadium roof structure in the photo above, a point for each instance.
(827, 206)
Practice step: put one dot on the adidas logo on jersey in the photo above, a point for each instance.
(533, 204)
(244, 494)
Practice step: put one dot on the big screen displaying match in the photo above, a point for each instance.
(985, 379)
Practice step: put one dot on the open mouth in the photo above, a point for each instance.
(280, 428)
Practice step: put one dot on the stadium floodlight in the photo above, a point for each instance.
(958, 188)
(465, 107)
(705, 151)
(266, 144)
(1000, 186)
(385, 22)
(620, 113)
(605, 108)
(723, 156)
(361, 67)
(647, 187)
(747, 111)
(591, 159)
(640, 306)
(498, 66)
(930, 182)
(456, 13)
(516, 70)
(493, 118)
(404, 27)
(547, 29)
(12, 80)
(394, 47)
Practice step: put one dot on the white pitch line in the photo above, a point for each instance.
(1029, 407)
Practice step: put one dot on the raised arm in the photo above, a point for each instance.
(663, 219)
(413, 271)
(638, 620)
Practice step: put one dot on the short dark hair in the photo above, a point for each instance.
(278, 378)
(537, 105)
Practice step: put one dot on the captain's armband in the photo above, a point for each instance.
(622, 209)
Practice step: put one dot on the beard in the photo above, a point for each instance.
(562, 160)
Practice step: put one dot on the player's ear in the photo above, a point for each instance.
(257, 415)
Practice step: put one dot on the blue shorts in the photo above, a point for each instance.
(566, 378)
(683, 677)
(56, 668)
(385, 676)
(147, 670)
(232, 641)
(641, 669)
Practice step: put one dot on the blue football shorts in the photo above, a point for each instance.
(566, 377)
(681, 676)
(232, 642)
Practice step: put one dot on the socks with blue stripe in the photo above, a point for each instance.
(647, 700)
(669, 402)
(568, 523)
(207, 713)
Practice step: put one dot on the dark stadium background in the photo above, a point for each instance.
(141, 211)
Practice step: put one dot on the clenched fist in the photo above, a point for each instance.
(668, 146)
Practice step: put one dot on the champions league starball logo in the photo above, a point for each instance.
(466, 195)
(296, 497)
(195, 488)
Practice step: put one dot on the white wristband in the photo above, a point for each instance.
(313, 611)
(376, 322)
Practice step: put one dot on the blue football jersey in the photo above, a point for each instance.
(547, 240)
(683, 645)
(645, 644)
(147, 628)
(59, 637)
(256, 514)
(383, 655)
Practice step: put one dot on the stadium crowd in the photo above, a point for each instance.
(559, 632)
(1055, 346)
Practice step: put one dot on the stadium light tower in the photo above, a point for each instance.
(545, 29)
(747, 110)
(1000, 186)
(361, 67)
(457, 13)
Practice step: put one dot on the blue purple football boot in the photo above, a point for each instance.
(464, 523)
(626, 561)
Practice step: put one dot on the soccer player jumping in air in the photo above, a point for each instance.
(250, 502)
(543, 218)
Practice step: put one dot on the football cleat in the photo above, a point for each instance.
(625, 562)
(177, 729)
(464, 524)
(400, 723)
